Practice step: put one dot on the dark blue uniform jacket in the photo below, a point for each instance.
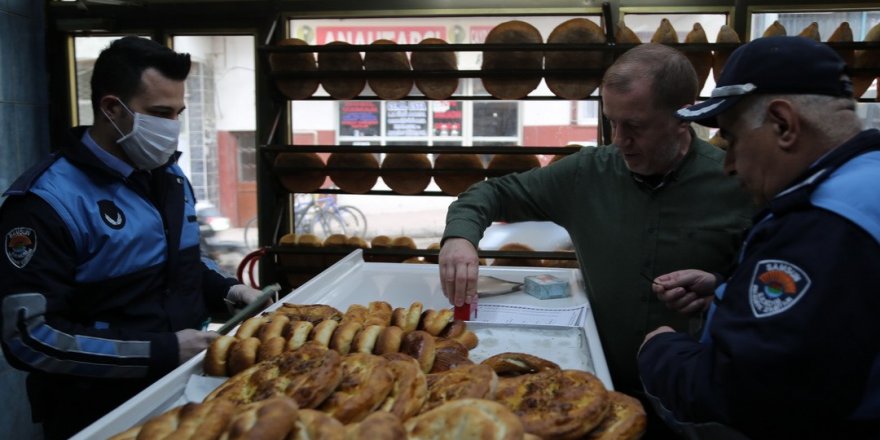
(792, 343)
(100, 269)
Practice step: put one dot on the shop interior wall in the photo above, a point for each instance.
(24, 135)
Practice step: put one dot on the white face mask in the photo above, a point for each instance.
(152, 140)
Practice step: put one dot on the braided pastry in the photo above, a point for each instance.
(410, 388)
(469, 381)
(466, 419)
(625, 420)
(208, 420)
(268, 419)
(366, 381)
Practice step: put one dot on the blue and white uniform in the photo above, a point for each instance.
(101, 268)
(792, 346)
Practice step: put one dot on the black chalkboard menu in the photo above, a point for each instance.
(406, 118)
(359, 118)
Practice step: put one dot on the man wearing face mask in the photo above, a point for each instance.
(104, 290)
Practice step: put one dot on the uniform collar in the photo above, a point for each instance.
(78, 151)
(111, 161)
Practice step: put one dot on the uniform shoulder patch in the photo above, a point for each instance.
(20, 245)
(776, 286)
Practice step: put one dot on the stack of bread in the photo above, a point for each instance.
(317, 392)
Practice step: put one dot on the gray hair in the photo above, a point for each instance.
(832, 116)
(673, 79)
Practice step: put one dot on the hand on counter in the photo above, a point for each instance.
(685, 291)
(459, 265)
(191, 341)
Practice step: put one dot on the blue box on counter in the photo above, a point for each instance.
(546, 287)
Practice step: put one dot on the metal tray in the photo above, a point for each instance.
(353, 281)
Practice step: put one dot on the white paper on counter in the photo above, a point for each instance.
(572, 316)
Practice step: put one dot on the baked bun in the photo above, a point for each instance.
(439, 87)
(466, 419)
(193, 420)
(389, 340)
(867, 59)
(270, 348)
(300, 172)
(366, 381)
(700, 59)
(287, 62)
(380, 242)
(408, 319)
(349, 60)
(313, 313)
(409, 390)
(297, 334)
(365, 340)
(512, 32)
(419, 345)
(449, 354)
(357, 313)
(774, 30)
(268, 419)
(336, 240)
(624, 35)
(502, 164)
(287, 239)
(725, 35)
(378, 313)
(344, 335)
(665, 33)
(355, 173)
(377, 426)
(844, 34)
(468, 381)
(215, 357)
(517, 247)
(559, 404)
(250, 327)
(315, 425)
(435, 321)
(625, 420)
(454, 173)
(393, 87)
(273, 327)
(517, 364)
(242, 355)
(574, 31)
(406, 173)
(811, 32)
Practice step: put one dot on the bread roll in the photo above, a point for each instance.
(517, 247)
(287, 239)
(420, 345)
(518, 364)
(435, 88)
(435, 321)
(391, 87)
(466, 419)
(270, 348)
(357, 242)
(286, 62)
(366, 382)
(323, 331)
(406, 173)
(514, 86)
(389, 340)
(242, 355)
(355, 173)
(297, 334)
(625, 35)
(216, 356)
(356, 313)
(273, 327)
(725, 35)
(365, 340)
(378, 313)
(410, 388)
(700, 59)
(408, 319)
(625, 420)
(774, 30)
(665, 33)
(468, 171)
(844, 34)
(343, 336)
(268, 419)
(468, 381)
(575, 31)
(315, 425)
(341, 88)
(502, 164)
(379, 425)
(811, 32)
(250, 327)
(870, 59)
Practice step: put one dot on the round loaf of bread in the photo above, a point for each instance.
(625, 420)
(725, 35)
(336, 240)
(300, 172)
(624, 35)
(355, 173)
(357, 242)
(502, 164)
(437, 61)
(287, 62)
(574, 31)
(517, 247)
(700, 59)
(287, 239)
(454, 173)
(406, 173)
(467, 381)
(366, 382)
(466, 419)
(665, 33)
(390, 87)
(505, 83)
(345, 61)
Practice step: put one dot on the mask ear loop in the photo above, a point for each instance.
(114, 123)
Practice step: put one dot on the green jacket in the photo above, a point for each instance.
(621, 228)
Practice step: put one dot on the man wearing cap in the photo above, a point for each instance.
(791, 347)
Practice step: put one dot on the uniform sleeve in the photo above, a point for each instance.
(215, 284)
(540, 194)
(39, 311)
(795, 363)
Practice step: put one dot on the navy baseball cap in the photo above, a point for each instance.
(778, 65)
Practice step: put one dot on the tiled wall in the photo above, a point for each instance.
(24, 135)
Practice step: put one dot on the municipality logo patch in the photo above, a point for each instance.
(20, 245)
(111, 214)
(776, 286)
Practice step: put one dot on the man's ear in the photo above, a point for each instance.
(111, 107)
(784, 119)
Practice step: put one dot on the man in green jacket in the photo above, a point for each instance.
(654, 201)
